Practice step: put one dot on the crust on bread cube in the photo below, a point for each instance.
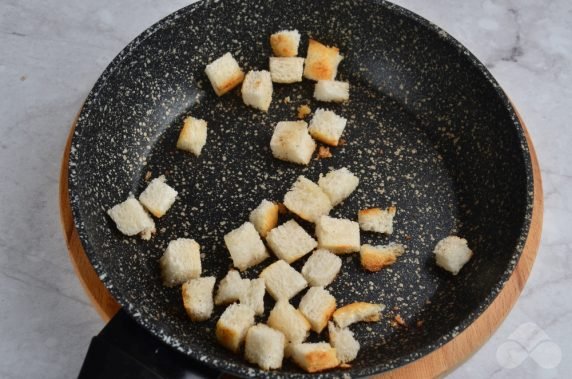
(452, 253)
(282, 281)
(285, 43)
(291, 142)
(338, 235)
(253, 296)
(290, 321)
(231, 288)
(338, 184)
(257, 90)
(245, 246)
(317, 305)
(332, 91)
(131, 219)
(321, 268)
(321, 61)
(327, 127)
(198, 298)
(232, 326)
(264, 346)
(357, 312)
(314, 357)
(224, 74)
(158, 197)
(374, 258)
(264, 217)
(286, 70)
(347, 347)
(377, 220)
(307, 200)
(193, 136)
(290, 241)
(180, 262)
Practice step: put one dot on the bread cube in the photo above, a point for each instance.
(158, 197)
(327, 127)
(254, 295)
(264, 346)
(290, 241)
(282, 281)
(307, 200)
(357, 312)
(321, 268)
(338, 184)
(317, 305)
(198, 298)
(290, 321)
(452, 253)
(231, 288)
(343, 340)
(374, 258)
(131, 218)
(377, 220)
(257, 90)
(337, 235)
(286, 70)
(180, 262)
(224, 74)
(193, 136)
(232, 326)
(314, 357)
(245, 246)
(285, 43)
(264, 217)
(321, 61)
(291, 142)
(332, 91)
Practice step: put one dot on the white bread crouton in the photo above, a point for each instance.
(290, 241)
(231, 288)
(245, 246)
(224, 74)
(347, 347)
(193, 136)
(317, 305)
(374, 258)
(282, 281)
(254, 295)
(257, 90)
(265, 217)
(198, 297)
(338, 184)
(332, 90)
(356, 312)
(180, 262)
(321, 268)
(452, 253)
(338, 235)
(232, 326)
(290, 321)
(327, 127)
(321, 61)
(285, 43)
(377, 220)
(264, 346)
(291, 142)
(286, 70)
(314, 357)
(158, 197)
(131, 218)
(307, 200)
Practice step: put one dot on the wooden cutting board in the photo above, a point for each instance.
(435, 364)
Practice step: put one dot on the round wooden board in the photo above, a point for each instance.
(435, 364)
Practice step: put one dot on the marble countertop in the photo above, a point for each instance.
(50, 56)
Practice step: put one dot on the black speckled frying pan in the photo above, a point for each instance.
(429, 130)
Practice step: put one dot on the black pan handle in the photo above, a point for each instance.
(124, 349)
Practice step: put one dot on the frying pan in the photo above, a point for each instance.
(429, 130)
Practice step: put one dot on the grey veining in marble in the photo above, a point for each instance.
(50, 56)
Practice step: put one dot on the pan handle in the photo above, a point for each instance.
(124, 349)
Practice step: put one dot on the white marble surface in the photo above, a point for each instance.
(52, 53)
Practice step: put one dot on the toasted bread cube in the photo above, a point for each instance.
(224, 74)
(282, 281)
(265, 217)
(307, 200)
(332, 91)
(180, 262)
(337, 235)
(452, 253)
(291, 142)
(286, 70)
(377, 220)
(321, 268)
(374, 258)
(303, 111)
(193, 136)
(245, 246)
(158, 197)
(343, 340)
(356, 312)
(285, 43)
(257, 90)
(264, 346)
(317, 305)
(254, 295)
(321, 61)
(232, 326)
(231, 288)
(131, 218)
(338, 184)
(290, 321)
(314, 357)
(290, 241)
(327, 127)
(198, 298)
